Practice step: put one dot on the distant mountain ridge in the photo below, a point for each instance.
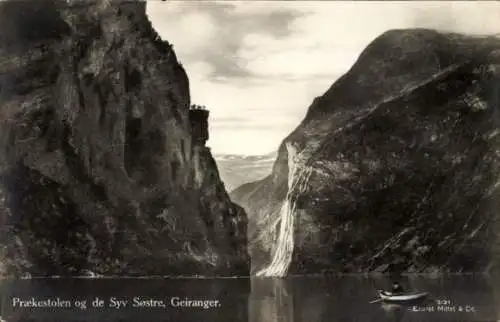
(236, 170)
(264, 157)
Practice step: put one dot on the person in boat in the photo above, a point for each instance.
(396, 288)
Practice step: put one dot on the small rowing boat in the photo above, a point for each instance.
(401, 297)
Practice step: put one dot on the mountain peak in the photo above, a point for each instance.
(397, 58)
(404, 140)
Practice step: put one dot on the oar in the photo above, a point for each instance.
(375, 301)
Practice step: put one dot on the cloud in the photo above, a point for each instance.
(479, 18)
(211, 32)
(327, 41)
(257, 65)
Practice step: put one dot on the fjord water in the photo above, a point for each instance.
(348, 299)
(298, 299)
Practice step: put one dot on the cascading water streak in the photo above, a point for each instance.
(282, 255)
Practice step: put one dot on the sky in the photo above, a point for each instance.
(257, 65)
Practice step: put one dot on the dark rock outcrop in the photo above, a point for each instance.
(99, 168)
(198, 118)
(394, 169)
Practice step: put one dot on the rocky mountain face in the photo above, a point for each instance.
(100, 170)
(394, 169)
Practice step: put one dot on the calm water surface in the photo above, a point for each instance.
(301, 299)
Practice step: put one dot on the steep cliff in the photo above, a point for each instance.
(100, 169)
(394, 169)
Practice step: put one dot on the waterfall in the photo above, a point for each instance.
(299, 174)
(282, 253)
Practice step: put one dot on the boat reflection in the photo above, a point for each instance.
(393, 312)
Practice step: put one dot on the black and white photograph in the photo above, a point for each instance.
(249, 161)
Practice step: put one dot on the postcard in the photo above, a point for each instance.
(263, 161)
